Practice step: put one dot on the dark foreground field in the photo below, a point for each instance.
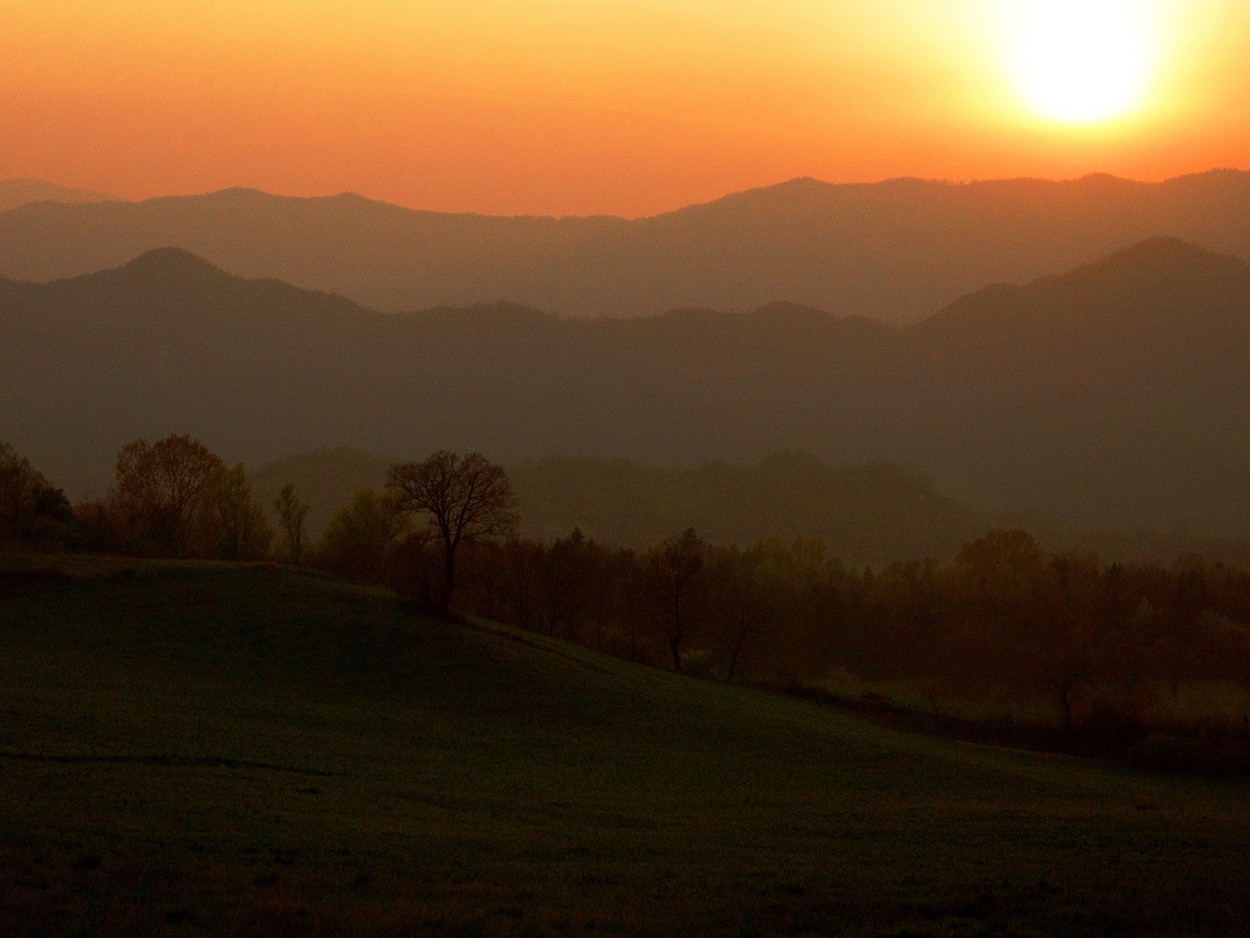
(248, 750)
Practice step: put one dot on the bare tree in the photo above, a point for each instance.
(674, 579)
(466, 498)
(741, 604)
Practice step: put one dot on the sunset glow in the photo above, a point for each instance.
(1081, 61)
(581, 107)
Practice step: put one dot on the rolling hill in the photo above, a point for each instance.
(1111, 395)
(227, 749)
(895, 251)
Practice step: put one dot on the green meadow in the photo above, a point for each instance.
(249, 749)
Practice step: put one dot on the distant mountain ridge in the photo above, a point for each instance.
(894, 251)
(1114, 395)
(18, 192)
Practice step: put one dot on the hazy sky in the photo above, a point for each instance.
(585, 106)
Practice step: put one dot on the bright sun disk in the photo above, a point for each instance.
(1082, 61)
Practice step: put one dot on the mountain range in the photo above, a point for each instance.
(894, 251)
(1114, 394)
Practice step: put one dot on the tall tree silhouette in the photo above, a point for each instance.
(291, 514)
(466, 498)
(673, 572)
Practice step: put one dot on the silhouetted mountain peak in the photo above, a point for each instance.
(798, 184)
(1158, 250)
(169, 259)
(1106, 182)
(1163, 263)
(1163, 280)
(243, 193)
(193, 282)
(172, 262)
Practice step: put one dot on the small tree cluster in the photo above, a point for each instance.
(359, 542)
(32, 510)
(175, 498)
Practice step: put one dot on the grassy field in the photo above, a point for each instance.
(219, 749)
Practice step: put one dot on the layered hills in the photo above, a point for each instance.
(1114, 394)
(895, 251)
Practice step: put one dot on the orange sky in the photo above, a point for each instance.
(577, 106)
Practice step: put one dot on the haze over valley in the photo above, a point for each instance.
(1111, 394)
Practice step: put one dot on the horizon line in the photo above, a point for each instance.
(352, 194)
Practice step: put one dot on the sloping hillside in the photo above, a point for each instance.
(234, 749)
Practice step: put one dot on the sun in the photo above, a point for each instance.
(1081, 61)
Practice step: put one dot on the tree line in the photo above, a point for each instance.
(1103, 649)
(175, 498)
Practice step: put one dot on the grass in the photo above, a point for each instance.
(219, 749)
